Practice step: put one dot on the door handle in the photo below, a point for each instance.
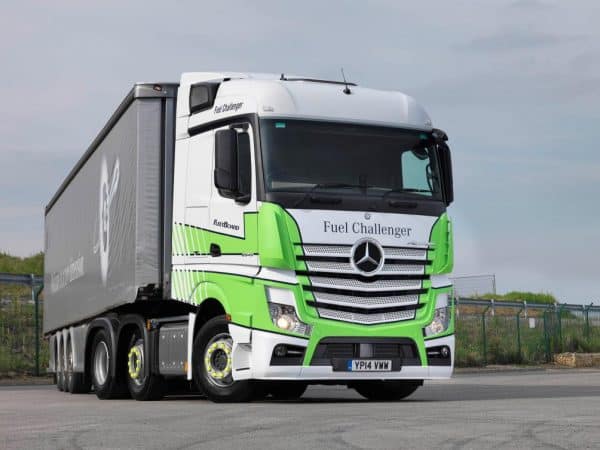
(215, 250)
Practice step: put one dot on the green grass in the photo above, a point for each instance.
(13, 264)
(521, 296)
(502, 343)
(17, 325)
(17, 334)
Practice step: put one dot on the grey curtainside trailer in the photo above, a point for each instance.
(105, 226)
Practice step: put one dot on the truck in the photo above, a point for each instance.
(248, 235)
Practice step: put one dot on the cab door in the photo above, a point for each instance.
(232, 235)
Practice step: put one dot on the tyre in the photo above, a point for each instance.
(386, 391)
(212, 364)
(60, 374)
(286, 390)
(141, 384)
(105, 384)
(75, 382)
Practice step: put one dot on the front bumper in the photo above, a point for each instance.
(253, 349)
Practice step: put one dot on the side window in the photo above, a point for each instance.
(414, 172)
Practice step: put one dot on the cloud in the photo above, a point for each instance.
(517, 39)
(534, 5)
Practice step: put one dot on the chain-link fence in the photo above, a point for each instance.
(474, 286)
(487, 332)
(22, 348)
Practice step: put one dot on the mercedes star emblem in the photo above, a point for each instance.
(367, 256)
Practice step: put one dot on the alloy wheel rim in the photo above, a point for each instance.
(135, 363)
(101, 363)
(218, 360)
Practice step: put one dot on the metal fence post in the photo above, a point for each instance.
(587, 319)
(546, 336)
(35, 298)
(519, 359)
(483, 332)
(560, 335)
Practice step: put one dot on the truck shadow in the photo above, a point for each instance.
(449, 393)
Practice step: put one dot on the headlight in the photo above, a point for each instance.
(440, 322)
(441, 317)
(283, 311)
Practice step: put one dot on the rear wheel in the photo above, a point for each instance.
(386, 391)
(141, 383)
(286, 390)
(60, 374)
(105, 384)
(74, 381)
(213, 364)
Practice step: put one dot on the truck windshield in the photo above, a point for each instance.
(313, 157)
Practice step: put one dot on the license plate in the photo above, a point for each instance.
(369, 365)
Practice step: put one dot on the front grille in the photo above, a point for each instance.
(341, 292)
(330, 349)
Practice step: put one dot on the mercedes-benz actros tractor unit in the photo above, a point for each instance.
(253, 234)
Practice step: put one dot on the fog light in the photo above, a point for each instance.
(445, 351)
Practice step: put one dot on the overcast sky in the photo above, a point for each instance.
(516, 84)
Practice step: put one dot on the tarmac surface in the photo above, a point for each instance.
(526, 409)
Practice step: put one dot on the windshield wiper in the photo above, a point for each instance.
(328, 186)
(401, 190)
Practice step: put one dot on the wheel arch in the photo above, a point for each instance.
(207, 309)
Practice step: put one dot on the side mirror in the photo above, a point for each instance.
(446, 169)
(232, 164)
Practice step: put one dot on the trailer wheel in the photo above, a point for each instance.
(286, 390)
(74, 381)
(60, 374)
(105, 385)
(141, 383)
(386, 391)
(212, 364)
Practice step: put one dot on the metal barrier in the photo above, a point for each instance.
(487, 331)
(493, 332)
(21, 344)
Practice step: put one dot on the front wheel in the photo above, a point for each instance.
(212, 364)
(386, 391)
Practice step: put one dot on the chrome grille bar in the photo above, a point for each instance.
(328, 298)
(366, 319)
(346, 267)
(358, 285)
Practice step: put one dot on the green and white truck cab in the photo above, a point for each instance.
(323, 232)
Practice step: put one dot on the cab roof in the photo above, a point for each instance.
(284, 95)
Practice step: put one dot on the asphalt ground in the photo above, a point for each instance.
(538, 409)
